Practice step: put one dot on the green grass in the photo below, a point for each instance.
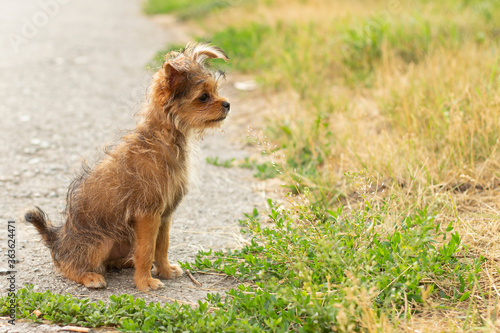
(332, 248)
(311, 271)
(363, 43)
(185, 8)
(263, 170)
(240, 45)
(215, 161)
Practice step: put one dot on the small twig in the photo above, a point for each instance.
(474, 256)
(491, 280)
(213, 284)
(394, 280)
(193, 279)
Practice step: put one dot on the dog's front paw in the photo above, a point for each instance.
(169, 272)
(93, 280)
(148, 283)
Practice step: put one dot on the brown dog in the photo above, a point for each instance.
(119, 213)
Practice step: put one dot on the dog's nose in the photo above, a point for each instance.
(226, 105)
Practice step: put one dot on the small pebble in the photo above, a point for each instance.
(25, 118)
(246, 85)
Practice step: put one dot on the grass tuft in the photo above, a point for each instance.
(185, 9)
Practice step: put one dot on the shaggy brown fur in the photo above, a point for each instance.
(119, 213)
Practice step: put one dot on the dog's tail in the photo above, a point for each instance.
(40, 220)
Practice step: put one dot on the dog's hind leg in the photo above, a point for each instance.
(120, 257)
(119, 263)
(87, 272)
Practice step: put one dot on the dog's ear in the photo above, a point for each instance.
(174, 72)
(199, 52)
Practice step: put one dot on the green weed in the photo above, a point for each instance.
(364, 44)
(185, 9)
(264, 170)
(215, 161)
(331, 248)
(240, 44)
(311, 271)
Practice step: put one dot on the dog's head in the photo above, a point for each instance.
(188, 90)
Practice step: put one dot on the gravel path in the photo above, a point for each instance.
(72, 77)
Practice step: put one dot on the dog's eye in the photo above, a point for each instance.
(203, 98)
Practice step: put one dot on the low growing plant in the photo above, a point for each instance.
(304, 269)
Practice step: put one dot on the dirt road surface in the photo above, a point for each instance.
(72, 77)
